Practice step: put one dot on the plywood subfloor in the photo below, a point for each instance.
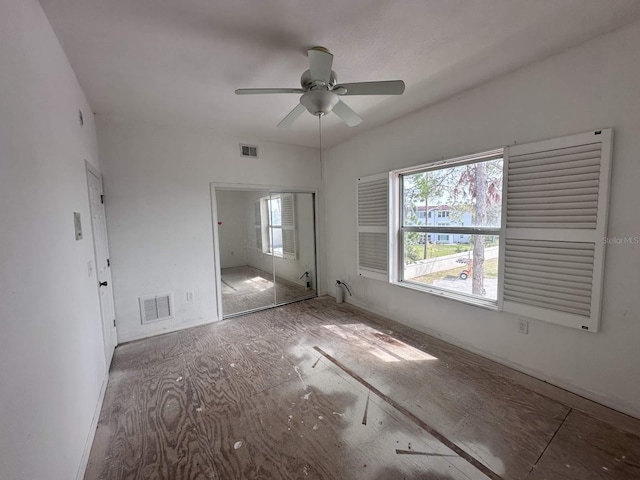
(247, 288)
(320, 391)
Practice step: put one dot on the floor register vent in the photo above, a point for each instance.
(154, 308)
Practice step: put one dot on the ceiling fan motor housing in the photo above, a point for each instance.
(307, 82)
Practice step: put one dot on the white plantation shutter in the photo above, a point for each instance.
(555, 214)
(373, 226)
(288, 216)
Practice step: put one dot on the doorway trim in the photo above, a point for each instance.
(263, 188)
(91, 170)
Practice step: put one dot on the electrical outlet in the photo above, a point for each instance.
(189, 296)
(523, 326)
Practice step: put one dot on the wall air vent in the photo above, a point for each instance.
(248, 151)
(154, 308)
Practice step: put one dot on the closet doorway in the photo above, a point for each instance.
(266, 243)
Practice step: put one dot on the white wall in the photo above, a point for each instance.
(158, 204)
(305, 261)
(592, 86)
(52, 361)
(234, 232)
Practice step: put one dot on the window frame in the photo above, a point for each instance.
(398, 229)
(267, 226)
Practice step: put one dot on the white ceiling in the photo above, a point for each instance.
(179, 61)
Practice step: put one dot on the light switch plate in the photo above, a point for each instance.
(77, 223)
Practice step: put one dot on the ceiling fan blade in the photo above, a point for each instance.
(390, 87)
(347, 115)
(320, 61)
(256, 91)
(292, 116)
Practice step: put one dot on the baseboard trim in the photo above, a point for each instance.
(557, 382)
(84, 461)
(172, 329)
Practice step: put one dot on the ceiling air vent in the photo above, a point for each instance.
(248, 151)
(154, 308)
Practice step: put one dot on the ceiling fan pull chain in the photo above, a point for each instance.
(320, 142)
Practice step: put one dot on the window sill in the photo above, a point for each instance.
(278, 255)
(459, 297)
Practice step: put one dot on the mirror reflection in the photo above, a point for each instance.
(267, 248)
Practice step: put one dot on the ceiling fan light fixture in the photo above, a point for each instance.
(321, 93)
(319, 102)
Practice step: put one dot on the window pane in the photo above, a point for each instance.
(457, 262)
(275, 211)
(461, 196)
(276, 241)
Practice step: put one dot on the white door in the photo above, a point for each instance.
(103, 268)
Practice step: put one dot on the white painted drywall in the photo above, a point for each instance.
(233, 230)
(595, 85)
(52, 361)
(305, 262)
(158, 203)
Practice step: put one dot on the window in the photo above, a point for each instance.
(520, 229)
(466, 198)
(274, 226)
(277, 225)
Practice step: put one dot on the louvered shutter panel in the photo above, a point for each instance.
(555, 222)
(258, 224)
(373, 226)
(288, 217)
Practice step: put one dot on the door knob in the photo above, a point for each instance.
(103, 284)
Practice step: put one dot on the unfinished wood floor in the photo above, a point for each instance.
(323, 391)
(247, 288)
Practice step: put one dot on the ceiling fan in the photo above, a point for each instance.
(321, 92)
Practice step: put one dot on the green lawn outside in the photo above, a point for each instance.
(490, 271)
(437, 250)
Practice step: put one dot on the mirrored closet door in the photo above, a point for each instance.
(267, 248)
